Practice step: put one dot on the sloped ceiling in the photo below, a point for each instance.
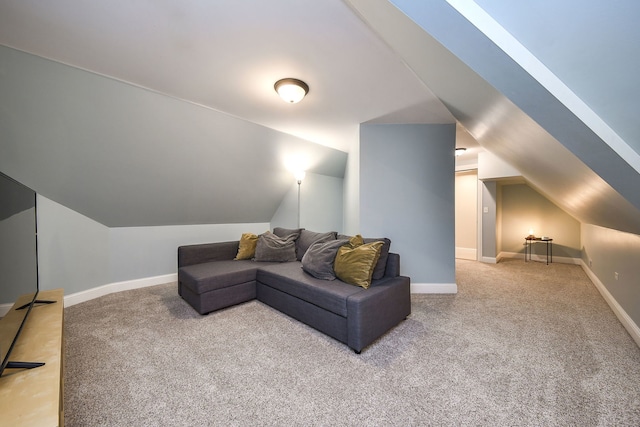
(509, 113)
(591, 46)
(154, 112)
(227, 55)
(186, 118)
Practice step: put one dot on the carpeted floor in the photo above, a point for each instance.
(521, 344)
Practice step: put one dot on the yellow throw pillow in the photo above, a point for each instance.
(247, 247)
(356, 260)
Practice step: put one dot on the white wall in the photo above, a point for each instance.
(608, 251)
(407, 194)
(466, 208)
(491, 166)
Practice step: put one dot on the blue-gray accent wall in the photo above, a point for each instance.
(407, 176)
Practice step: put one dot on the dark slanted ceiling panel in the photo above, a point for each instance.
(509, 113)
(126, 156)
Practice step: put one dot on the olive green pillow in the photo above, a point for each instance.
(247, 246)
(356, 260)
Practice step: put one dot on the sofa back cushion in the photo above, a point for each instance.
(273, 248)
(287, 232)
(308, 238)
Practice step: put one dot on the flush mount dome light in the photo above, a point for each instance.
(291, 90)
(460, 151)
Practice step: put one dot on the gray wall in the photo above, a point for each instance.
(489, 206)
(140, 252)
(79, 254)
(407, 194)
(321, 204)
(127, 157)
(73, 250)
(610, 251)
(17, 256)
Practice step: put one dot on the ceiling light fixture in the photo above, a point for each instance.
(460, 151)
(291, 90)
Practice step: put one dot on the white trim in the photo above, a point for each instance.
(110, 288)
(434, 288)
(466, 168)
(489, 260)
(622, 315)
(4, 309)
(467, 253)
(541, 258)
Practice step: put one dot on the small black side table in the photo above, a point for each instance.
(528, 246)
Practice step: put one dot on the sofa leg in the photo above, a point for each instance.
(357, 351)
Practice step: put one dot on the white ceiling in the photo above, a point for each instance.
(227, 55)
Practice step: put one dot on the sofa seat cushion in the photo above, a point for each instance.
(291, 279)
(209, 276)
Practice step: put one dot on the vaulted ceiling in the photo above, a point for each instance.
(176, 98)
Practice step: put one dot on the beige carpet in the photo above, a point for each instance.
(520, 344)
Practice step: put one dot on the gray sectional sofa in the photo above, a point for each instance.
(209, 279)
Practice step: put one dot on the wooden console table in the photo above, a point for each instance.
(33, 397)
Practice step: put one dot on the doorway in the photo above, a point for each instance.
(466, 212)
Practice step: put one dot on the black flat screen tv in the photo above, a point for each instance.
(18, 263)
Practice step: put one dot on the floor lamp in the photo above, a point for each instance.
(299, 177)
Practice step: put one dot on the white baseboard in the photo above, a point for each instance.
(110, 288)
(467, 253)
(541, 258)
(434, 288)
(489, 260)
(4, 309)
(622, 315)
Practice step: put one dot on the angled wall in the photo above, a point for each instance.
(125, 156)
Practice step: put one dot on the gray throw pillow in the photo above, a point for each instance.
(307, 238)
(318, 259)
(283, 233)
(273, 248)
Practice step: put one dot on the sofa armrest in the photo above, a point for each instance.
(198, 254)
(374, 311)
(393, 265)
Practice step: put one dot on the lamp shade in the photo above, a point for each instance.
(291, 90)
